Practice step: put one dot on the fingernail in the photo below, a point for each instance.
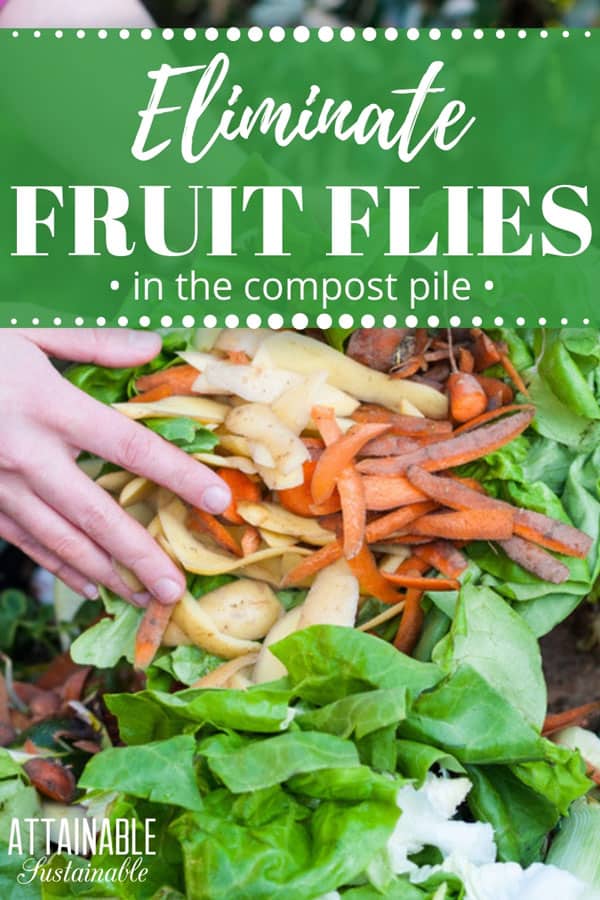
(215, 499)
(167, 591)
(141, 599)
(142, 340)
(91, 591)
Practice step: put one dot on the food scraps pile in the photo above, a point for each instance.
(348, 699)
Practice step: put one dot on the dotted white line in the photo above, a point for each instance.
(211, 34)
(231, 321)
(367, 321)
(275, 321)
(346, 321)
(210, 321)
(188, 321)
(299, 321)
(144, 321)
(253, 321)
(455, 321)
(324, 320)
(325, 34)
(301, 34)
(477, 321)
(433, 321)
(389, 321)
(520, 320)
(411, 321)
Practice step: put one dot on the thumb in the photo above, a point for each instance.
(114, 347)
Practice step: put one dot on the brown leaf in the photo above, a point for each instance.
(51, 779)
(57, 672)
(72, 689)
(87, 746)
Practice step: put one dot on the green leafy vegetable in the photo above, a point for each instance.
(161, 771)
(118, 385)
(269, 762)
(327, 662)
(185, 433)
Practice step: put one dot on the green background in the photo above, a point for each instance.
(68, 116)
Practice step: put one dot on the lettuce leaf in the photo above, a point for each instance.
(118, 385)
(483, 627)
(161, 771)
(285, 853)
(358, 714)
(260, 709)
(328, 662)
(251, 766)
(185, 433)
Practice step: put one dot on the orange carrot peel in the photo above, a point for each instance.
(201, 521)
(411, 623)
(455, 450)
(340, 454)
(150, 632)
(533, 526)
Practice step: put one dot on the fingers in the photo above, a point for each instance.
(112, 436)
(43, 526)
(107, 347)
(97, 515)
(15, 535)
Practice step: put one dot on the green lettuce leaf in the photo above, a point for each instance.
(521, 817)
(328, 662)
(226, 856)
(415, 760)
(187, 663)
(253, 765)
(117, 385)
(112, 638)
(258, 709)
(559, 775)
(358, 714)
(185, 433)
(484, 626)
(471, 721)
(161, 771)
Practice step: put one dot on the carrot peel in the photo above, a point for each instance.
(150, 632)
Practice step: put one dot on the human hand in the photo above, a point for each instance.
(48, 506)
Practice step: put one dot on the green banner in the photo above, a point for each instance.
(204, 177)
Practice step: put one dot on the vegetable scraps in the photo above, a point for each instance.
(406, 519)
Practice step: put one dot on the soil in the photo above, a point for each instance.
(571, 656)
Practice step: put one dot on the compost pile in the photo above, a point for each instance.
(349, 698)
